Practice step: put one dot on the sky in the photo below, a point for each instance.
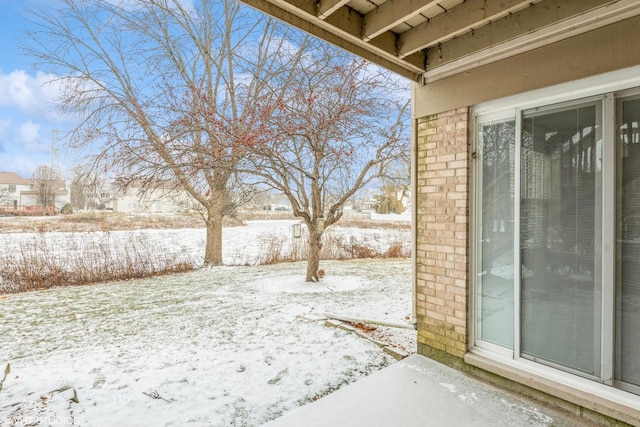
(31, 133)
(28, 123)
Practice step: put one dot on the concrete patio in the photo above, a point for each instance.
(418, 391)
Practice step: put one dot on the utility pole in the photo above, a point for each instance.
(55, 151)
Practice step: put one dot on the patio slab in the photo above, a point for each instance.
(418, 391)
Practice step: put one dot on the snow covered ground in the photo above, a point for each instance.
(215, 347)
(241, 245)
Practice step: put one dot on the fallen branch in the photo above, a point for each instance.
(155, 395)
(6, 372)
(369, 321)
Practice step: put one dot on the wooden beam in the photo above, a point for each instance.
(392, 13)
(606, 49)
(327, 7)
(516, 25)
(456, 21)
(343, 29)
(524, 31)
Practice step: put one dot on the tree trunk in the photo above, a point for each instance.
(213, 249)
(313, 258)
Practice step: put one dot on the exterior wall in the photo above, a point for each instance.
(151, 201)
(442, 234)
(24, 200)
(22, 189)
(443, 174)
(18, 195)
(62, 198)
(606, 49)
(442, 278)
(441, 109)
(8, 197)
(28, 198)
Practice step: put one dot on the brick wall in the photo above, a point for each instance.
(442, 234)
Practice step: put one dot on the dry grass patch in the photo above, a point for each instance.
(106, 221)
(279, 248)
(80, 259)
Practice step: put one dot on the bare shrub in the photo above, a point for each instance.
(298, 250)
(61, 259)
(362, 250)
(339, 247)
(368, 223)
(271, 249)
(84, 218)
(109, 221)
(397, 249)
(84, 258)
(277, 248)
(334, 247)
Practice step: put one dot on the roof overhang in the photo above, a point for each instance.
(427, 40)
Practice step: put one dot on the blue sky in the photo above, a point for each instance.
(29, 127)
(27, 118)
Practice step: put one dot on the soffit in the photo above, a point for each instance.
(426, 40)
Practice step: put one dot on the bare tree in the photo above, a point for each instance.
(338, 128)
(396, 185)
(4, 195)
(86, 188)
(390, 198)
(167, 90)
(46, 181)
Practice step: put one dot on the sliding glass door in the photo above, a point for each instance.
(557, 236)
(560, 237)
(628, 268)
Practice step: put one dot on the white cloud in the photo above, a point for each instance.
(21, 165)
(33, 95)
(28, 135)
(5, 128)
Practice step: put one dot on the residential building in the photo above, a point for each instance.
(526, 172)
(139, 196)
(19, 196)
(12, 186)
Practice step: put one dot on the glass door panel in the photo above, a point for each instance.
(496, 232)
(628, 211)
(560, 237)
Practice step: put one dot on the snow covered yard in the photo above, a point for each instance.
(213, 347)
(28, 258)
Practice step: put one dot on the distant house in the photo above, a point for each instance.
(12, 186)
(18, 196)
(370, 205)
(59, 193)
(138, 196)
